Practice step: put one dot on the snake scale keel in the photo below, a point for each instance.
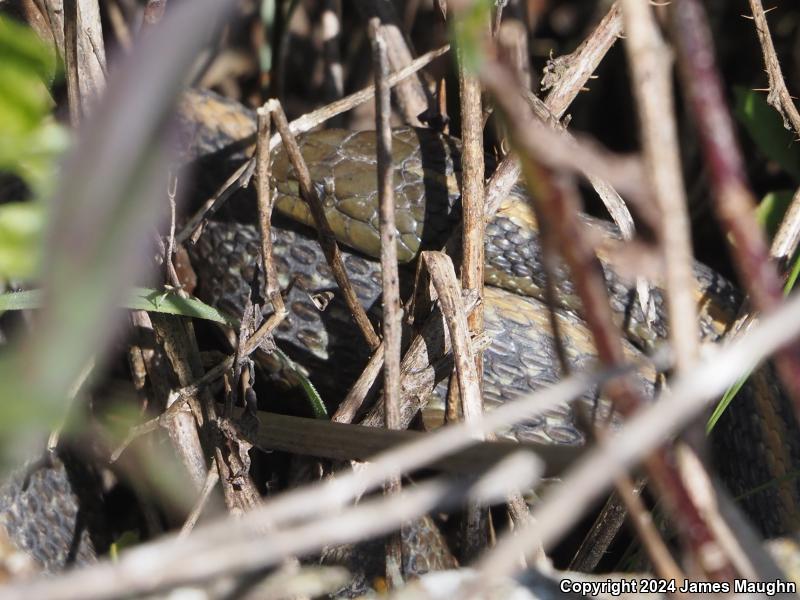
(756, 444)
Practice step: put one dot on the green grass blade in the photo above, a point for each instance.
(138, 299)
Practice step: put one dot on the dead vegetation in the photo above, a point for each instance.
(180, 414)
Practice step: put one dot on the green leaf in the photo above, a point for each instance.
(30, 143)
(771, 209)
(27, 67)
(128, 539)
(172, 304)
(469, 30)
(21, 227)
(725, 401)
(20, 44)
(765, 127)
(139, 299)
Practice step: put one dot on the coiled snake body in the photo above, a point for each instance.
(755, 443)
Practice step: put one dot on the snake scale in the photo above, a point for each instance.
(756, 442)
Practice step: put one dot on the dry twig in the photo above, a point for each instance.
(734, 203)
(778, 97)
(651, 69)
(390, 278)
(574, 70)
(411, 94)
(475, 525)
(786, 240)
(266, 204)
(558, 208)
(326, 236)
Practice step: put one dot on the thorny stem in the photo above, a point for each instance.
(778, 97)
(733, 201)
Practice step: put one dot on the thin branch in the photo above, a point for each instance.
(651, 70)
(574, 70)
(475, 525)
(779, 97)
(472, 201)
(211, 481)
(266, 203)
(326, 236)
(444, 280)
(390, 278)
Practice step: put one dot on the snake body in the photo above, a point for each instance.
(756, 442)
(755, 446)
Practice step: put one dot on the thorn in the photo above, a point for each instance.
(761, 89)
(594, 76)
(770, 9)
(748, 17)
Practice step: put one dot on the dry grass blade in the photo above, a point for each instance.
(339, 441)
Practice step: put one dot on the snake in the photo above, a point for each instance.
(754, 447)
